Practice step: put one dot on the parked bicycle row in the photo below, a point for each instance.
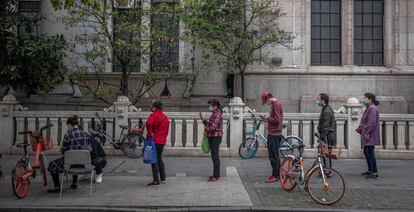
(82, 151)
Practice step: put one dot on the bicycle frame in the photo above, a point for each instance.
(32, 170)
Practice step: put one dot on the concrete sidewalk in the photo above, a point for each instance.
(241, 189)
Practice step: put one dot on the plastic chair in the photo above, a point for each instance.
(77, 162)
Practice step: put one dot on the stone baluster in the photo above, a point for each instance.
(190, 133)
(401, 141)
(20, 126)
(225, 129)
(306, 136)
(178, 133)
(295, 127)
(54, 131)
(200, 132)
(389, 135)
(411, 135)
(381, 135)
(340, 134)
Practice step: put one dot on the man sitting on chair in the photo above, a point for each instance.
(77, 139)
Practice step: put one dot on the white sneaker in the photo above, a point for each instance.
(98, 178)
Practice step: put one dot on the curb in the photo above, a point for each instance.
(167, 209)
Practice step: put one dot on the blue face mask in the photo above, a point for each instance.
(364, 101)
(318, 103)
(210, 109)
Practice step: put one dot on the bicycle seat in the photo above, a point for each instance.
(123, 126)
(22, 145)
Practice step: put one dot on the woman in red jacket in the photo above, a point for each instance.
(157, 126)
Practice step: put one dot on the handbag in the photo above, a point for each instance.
(205, 146)
(358, 130)
(149, 151)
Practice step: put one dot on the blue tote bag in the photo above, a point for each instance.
(149, 151)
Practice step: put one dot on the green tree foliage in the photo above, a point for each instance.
(231, 32)
(28, 61)
(122, 32)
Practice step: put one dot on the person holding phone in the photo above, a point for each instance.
(275, 127)
(214, 130)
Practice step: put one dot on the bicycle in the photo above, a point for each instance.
(127, 142)
(23, 169)
(250, 145)
(320, 182)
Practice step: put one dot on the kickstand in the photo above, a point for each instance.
(300, 190)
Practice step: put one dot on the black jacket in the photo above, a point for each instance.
(97, 150)
(327, 121)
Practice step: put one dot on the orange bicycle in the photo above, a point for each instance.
(23, 169)
(325, 186)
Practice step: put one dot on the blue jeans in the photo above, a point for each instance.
(369, 153)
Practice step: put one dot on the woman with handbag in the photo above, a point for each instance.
(370, 133)
(157, 128)
(214, 131)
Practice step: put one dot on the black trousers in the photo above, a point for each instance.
(369, 153)
(273, 147)
(330, 139)
(158, 169)
(215, 156)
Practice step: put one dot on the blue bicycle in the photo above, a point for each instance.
(288, 146)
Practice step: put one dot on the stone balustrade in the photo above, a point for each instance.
(186, 129)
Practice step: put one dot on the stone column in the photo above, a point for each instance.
(121, 107)
(389, 51)
(145, 36)
(236, 125)
(354, 118)
(401, 135)
(411, 135)
(7, 106)
(347, 32)
(340, 134)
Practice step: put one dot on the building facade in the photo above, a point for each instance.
(344, 48)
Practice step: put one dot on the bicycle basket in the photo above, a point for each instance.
(46, 142)
(331, 152)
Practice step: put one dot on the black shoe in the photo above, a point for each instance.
(366, 173)
(155, 183)
(55, 190)
(373, 176)
(73, 186)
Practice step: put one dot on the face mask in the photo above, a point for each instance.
(268, 102)
(318, 103)
(364, 101)
(210, 109)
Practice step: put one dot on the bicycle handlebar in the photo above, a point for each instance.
(46, 127)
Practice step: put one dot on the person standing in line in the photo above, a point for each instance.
(214, 131)
(157, 126)
(327, 124)
(275, 127)
(370, 133)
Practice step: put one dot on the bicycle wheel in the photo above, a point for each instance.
(287, 182)
(20, 185)
(291, 146)
(328, 192)
(248, 148)
(130, 143)
(42, 161)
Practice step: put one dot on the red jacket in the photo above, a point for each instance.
(275, 120)
(158, 124)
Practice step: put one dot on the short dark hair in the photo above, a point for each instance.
(157, 104)
(73, 120)
(372, 97)
(214, 102)
(324, 97)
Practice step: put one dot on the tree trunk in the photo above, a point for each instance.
(124, 81)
